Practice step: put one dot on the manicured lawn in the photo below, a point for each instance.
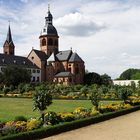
(11, 107)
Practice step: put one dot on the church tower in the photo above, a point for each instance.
(49, 37)
(9, 47)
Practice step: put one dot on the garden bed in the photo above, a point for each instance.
(67, 126)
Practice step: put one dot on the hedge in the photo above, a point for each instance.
(56, 129)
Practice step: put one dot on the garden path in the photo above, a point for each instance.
(125, 127)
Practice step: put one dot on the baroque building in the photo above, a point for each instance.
(60, 67)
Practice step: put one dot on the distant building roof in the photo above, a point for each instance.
(16, 60)
(64, 55)
(75, 58)
(41, 55)
(64, 74)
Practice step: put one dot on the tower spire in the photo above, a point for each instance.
(48, 7)
(9, 35)
(8, 47)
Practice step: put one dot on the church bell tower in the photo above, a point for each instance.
(9, 47)
(49, 36)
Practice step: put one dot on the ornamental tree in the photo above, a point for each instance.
(95, 97)
(42, 99)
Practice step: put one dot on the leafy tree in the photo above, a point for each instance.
(106, 79)
(42, 99)
(136, 76)
(125, 93)
(92, 78)
(129, 74)
(84, 90)
(133, 86)
(95, 97)
(13, 75)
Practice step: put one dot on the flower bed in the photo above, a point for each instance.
(55, 122)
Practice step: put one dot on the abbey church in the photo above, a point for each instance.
(49, 63)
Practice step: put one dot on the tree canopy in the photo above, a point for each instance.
(95, 78)
(130, 74)
(14, 75)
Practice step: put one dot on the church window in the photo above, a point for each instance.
(43, 42)
(50, 42)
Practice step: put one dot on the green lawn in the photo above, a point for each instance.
(11, 107)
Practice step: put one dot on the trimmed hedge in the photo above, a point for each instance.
(56, 129)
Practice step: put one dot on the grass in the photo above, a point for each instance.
(11, 107)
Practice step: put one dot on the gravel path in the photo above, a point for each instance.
(126, 127)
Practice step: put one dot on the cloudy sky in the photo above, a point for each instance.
(105, 33)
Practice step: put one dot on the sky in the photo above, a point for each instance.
(105, 33)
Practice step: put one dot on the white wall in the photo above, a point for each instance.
(125, 82)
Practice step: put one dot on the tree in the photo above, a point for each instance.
(125, 93)
(95, 97)
(92, 78)
(129, 74)
(106, 79)
(84, 90)
(42, 99)
(14, 75)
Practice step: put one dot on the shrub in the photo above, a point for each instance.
(6, 90)
(52, 118)
(66, 117)
(20, 118)
(94, 112)
(33, 124)
(81, 112)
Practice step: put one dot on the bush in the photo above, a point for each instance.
(94, 112)
(6, 90)
(20, 118)
(52, 118)
(33, 124)
(81, 112)
(66, 117)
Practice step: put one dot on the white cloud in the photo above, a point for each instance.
(77, 24)
(81, 25)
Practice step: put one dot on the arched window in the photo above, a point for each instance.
(56, 43)
(50, 42)
(43, 42)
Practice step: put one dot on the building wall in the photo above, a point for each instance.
(41, 64)
(125, 82)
